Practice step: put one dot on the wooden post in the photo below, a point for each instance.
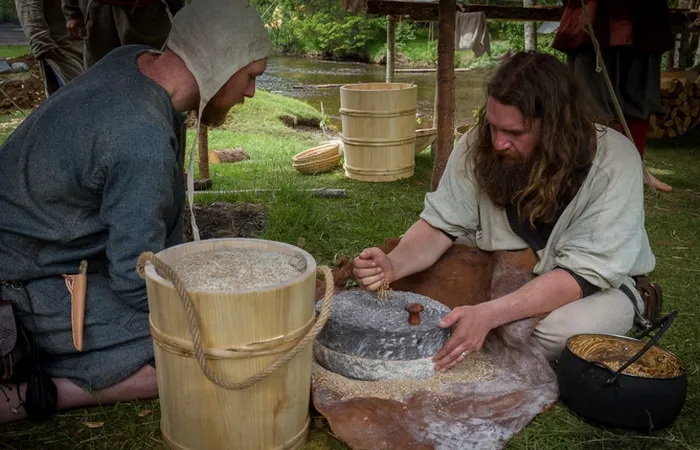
(530, 29)
(390, 47)
(445, 76)
(203, 152)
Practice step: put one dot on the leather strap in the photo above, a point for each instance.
(653, 297)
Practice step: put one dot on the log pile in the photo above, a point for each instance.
(680, 95)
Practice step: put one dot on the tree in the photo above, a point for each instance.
(530, 29)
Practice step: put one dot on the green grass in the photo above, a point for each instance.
(9, 122)
(13, 51)
(370, 212)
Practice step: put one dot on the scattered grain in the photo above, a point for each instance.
(476, 367)
(239, 269)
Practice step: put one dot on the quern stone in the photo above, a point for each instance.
(373, 369)
(369, 338)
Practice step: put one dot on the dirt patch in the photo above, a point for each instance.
(226, 220)
(25, 89)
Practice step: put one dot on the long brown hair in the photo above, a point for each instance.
(541, 87)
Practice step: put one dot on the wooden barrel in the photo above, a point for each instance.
(379, 130)
(242, 333)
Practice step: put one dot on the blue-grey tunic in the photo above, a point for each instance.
(94, 174)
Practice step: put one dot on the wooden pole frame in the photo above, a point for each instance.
(445, 87)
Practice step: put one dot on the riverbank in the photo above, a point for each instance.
(420, 52)
(416, 54)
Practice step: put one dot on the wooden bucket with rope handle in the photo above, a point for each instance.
(234, 368)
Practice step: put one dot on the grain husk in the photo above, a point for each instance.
(240, 269)
(475, 367)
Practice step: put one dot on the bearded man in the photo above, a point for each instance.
(534, 172)
(93, 177)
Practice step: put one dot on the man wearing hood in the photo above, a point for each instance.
(103, 184)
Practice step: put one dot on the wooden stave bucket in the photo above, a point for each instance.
(188, 427)
(379, 141)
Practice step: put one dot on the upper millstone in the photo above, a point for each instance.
(360, 324)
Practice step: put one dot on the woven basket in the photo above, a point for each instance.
(317, 159)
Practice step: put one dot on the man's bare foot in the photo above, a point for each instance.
(659, 185)
(140, 386)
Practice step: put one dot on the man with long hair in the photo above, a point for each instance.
(535, 172)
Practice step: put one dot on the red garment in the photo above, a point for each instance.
(643, 24)
(638, 129)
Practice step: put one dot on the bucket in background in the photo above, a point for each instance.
(379, 130)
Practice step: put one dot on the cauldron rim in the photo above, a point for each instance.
(624, 338)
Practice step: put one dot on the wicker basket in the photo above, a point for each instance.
(317, 159)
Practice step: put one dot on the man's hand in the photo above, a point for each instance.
(371, 268)
(76, 27)
(470, 325)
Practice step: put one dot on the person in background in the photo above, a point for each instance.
(107, 24)
(60, 57)
(633, 35)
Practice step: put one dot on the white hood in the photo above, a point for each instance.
(215, 39)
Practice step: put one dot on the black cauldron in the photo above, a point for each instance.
(605, 397)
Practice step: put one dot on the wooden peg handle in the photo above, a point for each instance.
(414, 310)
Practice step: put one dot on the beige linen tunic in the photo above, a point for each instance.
(600, 236)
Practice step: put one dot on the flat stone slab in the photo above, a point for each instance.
(365, 326)
(372, 369)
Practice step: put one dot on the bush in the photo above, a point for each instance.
(321, 28)
(514, 33)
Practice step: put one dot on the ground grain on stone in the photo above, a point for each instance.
(239, 269)
(476, 367)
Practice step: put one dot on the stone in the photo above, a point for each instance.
(5, 67)
(20, 67)
(228, 155)
(362, 325)
(455, 414)
(372, 369)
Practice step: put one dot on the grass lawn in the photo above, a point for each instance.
(370, 212)
(13, 51)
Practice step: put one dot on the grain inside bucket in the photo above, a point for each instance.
(254, 301)
(379, 130)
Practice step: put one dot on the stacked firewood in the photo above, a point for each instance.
(680, 95)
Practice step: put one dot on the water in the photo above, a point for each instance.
(284, 73)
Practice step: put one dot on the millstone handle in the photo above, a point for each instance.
(414, 310)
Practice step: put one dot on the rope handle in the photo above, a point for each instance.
(194, 326)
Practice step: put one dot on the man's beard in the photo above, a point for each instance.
(502, 179)
(214, 116)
